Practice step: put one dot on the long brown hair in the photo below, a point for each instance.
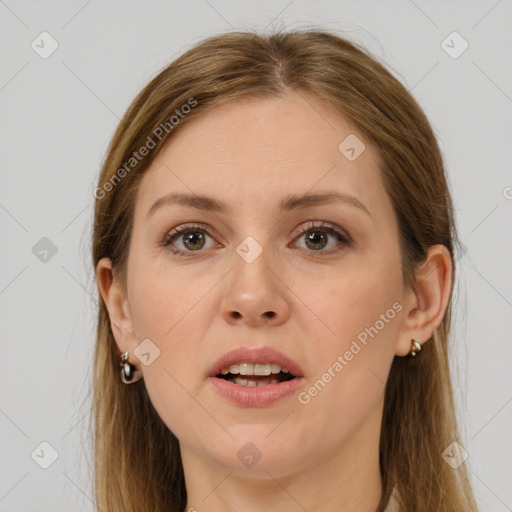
(137, 461)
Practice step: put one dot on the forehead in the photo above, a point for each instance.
(260, 150)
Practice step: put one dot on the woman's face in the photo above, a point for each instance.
(262, 267)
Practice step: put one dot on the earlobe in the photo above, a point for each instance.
(426, 302)
(117, 306)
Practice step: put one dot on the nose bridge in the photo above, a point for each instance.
(252, 260)
(255, 227)
(253, 290)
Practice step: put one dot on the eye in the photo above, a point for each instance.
(316, 235)
(191, 237)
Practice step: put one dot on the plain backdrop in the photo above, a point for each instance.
(58, 113)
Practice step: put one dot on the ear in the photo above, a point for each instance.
(425, 304)
(117, 305)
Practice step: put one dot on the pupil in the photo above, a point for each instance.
(190, 237)
(314, 235)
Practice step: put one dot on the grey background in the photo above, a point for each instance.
(57, 117)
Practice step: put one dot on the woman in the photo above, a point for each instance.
(274, 248)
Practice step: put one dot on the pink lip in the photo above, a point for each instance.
(255, 396)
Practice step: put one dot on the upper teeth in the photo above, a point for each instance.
(253, 369)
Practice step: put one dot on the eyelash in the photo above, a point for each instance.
(311, 226)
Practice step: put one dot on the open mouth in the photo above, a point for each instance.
(248, 374)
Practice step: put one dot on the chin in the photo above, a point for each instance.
(252, 451)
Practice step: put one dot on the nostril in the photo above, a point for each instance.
(270, 314)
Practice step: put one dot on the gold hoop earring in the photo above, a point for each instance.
(415, 347)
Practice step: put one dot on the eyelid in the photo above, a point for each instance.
(182, 228)
(317, 224)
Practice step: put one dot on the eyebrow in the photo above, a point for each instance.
(289, 203)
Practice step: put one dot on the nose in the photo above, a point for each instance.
(255, 294)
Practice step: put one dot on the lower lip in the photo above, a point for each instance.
(255, 396)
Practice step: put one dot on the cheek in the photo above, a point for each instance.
(172, 396)
(360, 306)
(352, 357)
(351, 366)
(164, 300)
(171, 313)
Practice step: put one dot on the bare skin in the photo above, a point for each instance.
(319, 453)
